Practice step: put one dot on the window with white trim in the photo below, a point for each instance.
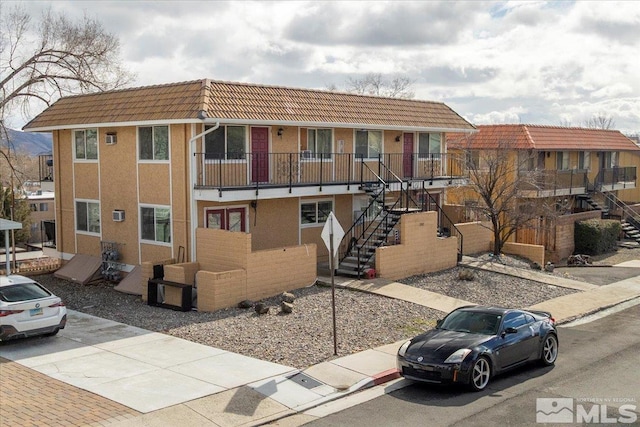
(86, 144)
(562, 160)
(368, 143)
(88, 216)
(226, 143)
(319, 144)
(153, 142)
(315, 212)
(155, 223)
(584, 160)
(429, 145)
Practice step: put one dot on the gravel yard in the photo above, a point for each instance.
(305, 337)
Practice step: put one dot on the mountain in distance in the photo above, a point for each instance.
(32, 143)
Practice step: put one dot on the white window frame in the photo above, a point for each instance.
(429, 155)
(75, 145)
(153, 144)
(562, 160)
(369, 131)
(314, 154)
(75, 217)
(226, 159)
(155, 224)
(313, 202)
(585, 158)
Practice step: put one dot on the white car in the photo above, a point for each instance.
(27, 308)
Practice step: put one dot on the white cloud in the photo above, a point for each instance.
(533, 61)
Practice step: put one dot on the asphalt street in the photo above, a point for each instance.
(597, 365)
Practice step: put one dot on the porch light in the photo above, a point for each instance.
(398, 138)
(280, 130)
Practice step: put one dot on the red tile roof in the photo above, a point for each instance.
(245, 102)
(542, 138)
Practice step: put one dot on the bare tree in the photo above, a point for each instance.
(375, 84)
(600, 121)
(42, 61)
(53, 58)
(501, 179)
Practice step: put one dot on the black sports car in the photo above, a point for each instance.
(474, 343)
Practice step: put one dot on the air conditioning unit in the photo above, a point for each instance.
(118, 215)
(111, 139)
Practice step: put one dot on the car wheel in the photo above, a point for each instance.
(549, 350)
(480, 374)
(53, 333)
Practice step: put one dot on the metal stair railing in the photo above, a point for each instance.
(628, 213)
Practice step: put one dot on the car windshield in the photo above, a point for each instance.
(23, 292)
(474, 322)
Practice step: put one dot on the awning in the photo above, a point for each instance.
(6, 225)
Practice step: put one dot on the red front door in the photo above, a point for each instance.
(260, 154)
(407, 158)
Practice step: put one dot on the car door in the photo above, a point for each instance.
(515, 346)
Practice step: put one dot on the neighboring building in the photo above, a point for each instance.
(143, 168)
(42, 205)
(579, 170)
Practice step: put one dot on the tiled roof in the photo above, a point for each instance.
(245, 102)
(543, 138)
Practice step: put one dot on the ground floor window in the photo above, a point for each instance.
(315, 212)
(88, 216)
(231, 219)
(155, 223)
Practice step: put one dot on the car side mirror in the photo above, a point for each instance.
(438, 323)
(509, 330)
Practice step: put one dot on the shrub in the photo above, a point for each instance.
(596, 236)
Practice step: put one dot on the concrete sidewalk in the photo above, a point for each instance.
(169, 380)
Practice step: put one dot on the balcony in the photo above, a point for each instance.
(548, 183)
(288, 170)
(618, 178)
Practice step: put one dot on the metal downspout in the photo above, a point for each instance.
(194, 213)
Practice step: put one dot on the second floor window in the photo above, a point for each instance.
(88, 216)
(319, 143)
(429, 145)
(368, 143)
(153, 142)
(584, 160)
(226, 143)
(562, 160)
(86, 144)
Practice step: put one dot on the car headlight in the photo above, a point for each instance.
(403, 348)
(458, 356)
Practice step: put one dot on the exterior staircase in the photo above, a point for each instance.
(629, 219)
(596, 203)
(370, 231)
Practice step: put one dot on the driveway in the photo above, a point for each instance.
(600, 275)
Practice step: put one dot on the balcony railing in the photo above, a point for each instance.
(617, 178)
(544, 183)
(257, 170)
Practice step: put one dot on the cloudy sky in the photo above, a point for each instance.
(551, 63)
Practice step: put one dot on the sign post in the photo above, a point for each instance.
(332, 235)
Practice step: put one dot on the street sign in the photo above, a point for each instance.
(332, 230)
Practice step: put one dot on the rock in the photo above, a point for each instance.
(549, 267)
(288, 297)
(261, 308)
(535, 266)
(245, 304)
(286, 307)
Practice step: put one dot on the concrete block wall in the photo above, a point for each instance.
(534, 253)
(273, 271)
(182, 273)
(477, 237)
(221, 250)
(218, 290)
(420, 250)
(565, 226)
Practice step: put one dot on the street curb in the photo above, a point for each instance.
(386, 376)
